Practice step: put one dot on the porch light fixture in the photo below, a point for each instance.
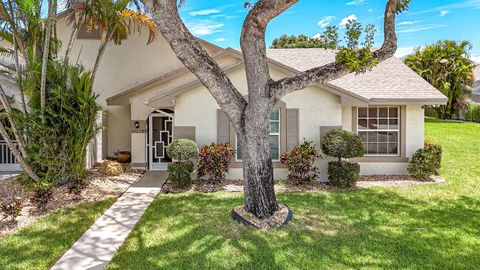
(137, 125)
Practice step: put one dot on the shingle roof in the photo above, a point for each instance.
(389, 80)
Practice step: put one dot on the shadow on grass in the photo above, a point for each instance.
(40, 244)
(348, 229)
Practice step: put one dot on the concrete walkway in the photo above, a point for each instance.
(99, 243)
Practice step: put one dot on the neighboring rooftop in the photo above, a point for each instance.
(389, 80)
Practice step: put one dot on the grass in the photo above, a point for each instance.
(435, 226)
(40, 244)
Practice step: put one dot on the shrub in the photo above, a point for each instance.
(473, 113)
(214, 161)
(343, 144)
(42, 195)
(299, 162)
(179, 173)
(182, 150)
(12, 210)
(109, 167)
(426, 161)
(343, 173)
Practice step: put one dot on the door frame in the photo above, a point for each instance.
(160, 166)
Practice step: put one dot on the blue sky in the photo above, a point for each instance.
(427, 21)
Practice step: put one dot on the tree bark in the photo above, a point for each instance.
(259, 191)
(73, 37)
(100, 53)
(46, 53)
(16, 133)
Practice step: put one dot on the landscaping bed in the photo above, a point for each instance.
(98, 187)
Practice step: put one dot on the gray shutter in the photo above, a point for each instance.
(223, 127)
(293, 135)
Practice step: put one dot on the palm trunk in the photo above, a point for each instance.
(20, 159)
(16, 133)
(73, 37)
(259, 190)
(101, 52)
(46, 54)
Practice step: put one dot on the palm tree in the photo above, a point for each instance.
(52, 8)
(115, 22)
(445, 65)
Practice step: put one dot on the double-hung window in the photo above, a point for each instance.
(379, 128)
(274, 137)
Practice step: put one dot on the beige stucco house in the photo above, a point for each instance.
(150, 98)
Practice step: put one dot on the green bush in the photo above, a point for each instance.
(179, 173)
(214, 161)
(182, 150)
(299, 162)
(343, 173)
(342, 144)
(473, 113)
(426, 161)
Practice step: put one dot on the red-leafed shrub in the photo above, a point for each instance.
(299, 162)
(214, 161)
(11, 210)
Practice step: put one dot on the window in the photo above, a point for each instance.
(379, 128)
(274, 137)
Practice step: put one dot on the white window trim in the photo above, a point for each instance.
(269, 134)
(398, 129)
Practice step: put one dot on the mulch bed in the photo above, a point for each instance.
(236, 186)
(98, 187)
(279, 218)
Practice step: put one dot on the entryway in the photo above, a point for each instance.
(160, 135)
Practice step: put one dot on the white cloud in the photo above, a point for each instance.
(325, 21)
(476, 59)
(404, 51)
(345, 20)
(204, 12)
(458, 5)
(220, 39)
(356, 3)
(317, 35)
(370, 10)
(420, 28)
(204, 27)
(408, 22)
(443, 13)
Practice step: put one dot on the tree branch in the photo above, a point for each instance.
(253, 45)
(336, 70)
(196, 59)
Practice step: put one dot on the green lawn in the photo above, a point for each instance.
(433, 226)
(42, 243)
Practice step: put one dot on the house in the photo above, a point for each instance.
(150, 99)
(476, 85)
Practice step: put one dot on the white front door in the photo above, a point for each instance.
(160, 132)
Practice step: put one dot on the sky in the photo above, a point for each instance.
(426, 21)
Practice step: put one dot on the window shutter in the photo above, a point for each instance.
(223, 127)
(292, 129)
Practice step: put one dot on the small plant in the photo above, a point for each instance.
(299, 162)
(12, 210)
(112, 168)
(183, 150)
(42, 195)
(426, 161)
(343, 144)
(214, 161)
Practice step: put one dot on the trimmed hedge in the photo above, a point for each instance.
(179, 173)
(182, 150)
(343, 173)
(472, 113)
(426, 161)
(342, 144)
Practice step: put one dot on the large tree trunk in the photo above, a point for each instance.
(257, 163)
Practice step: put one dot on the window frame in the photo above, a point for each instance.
(398, 130)
(278, 134)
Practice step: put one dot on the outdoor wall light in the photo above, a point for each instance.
(137, 125)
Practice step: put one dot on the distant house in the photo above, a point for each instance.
(476, 85)
(150, 99)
